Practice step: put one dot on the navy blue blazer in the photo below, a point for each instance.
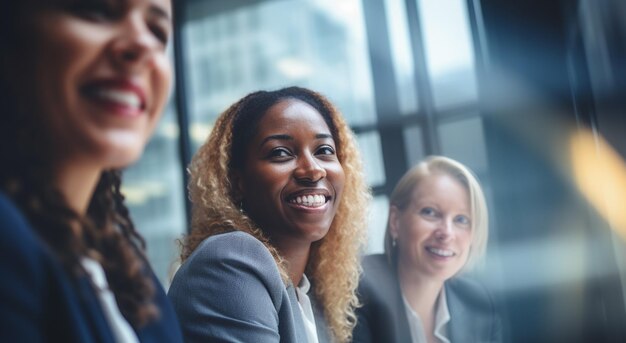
(382, 318)
(230, 290)
(39, 302)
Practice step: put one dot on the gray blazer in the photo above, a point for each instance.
(230, 290)
(383, 316)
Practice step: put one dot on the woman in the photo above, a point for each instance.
(82, 86)
(279, 203)
(437, 227)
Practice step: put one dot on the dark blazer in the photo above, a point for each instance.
(230, 290)
(39, 302)
(382, 318)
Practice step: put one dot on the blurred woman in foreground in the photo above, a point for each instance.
(437, 227)
(82, 86)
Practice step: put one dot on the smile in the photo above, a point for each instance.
(440, 252)
(310, 200)
(119, 97)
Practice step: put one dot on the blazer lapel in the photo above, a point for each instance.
(460, 327)
(297, 315)
(92, 310)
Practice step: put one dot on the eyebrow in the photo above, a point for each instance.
(285, 137)
(160, 12)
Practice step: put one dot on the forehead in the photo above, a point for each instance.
(292, 114)
(441, 188)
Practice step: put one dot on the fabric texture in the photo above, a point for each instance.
(40, 302)
(230, 290)
(382, 318)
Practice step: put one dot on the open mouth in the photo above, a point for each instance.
(119, 97)
(310, 200)
(440, 252)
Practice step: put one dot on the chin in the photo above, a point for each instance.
(122, 158)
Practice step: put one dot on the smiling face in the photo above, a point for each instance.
(95, 73)
(434, 232)
(292, 180)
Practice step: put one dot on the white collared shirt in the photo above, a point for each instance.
(122, 331)
(442, 317)
(307, 311)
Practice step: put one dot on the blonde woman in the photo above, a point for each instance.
(437, 227)
(279, 204)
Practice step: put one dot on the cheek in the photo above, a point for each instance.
(161, 81)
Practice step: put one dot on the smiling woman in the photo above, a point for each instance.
(278, 221)
(437, 226)
(82, 86)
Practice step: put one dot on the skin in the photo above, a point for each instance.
(101, 87)
(438, 217)
(293, 154)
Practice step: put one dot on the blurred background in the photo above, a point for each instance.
(531, 95)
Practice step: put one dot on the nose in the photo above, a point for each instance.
(445, 232)
(135, 45)
(308, 169)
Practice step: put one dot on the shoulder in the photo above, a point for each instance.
(376, 268)
(233, 260)
(378, 283)
(233, 247)
(19, 244)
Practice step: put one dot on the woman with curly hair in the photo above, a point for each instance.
(278, 223)
(82, 86)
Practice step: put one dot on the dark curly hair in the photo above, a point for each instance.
(107, 234)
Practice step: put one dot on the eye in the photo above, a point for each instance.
(160, 32)
(325, 150)
(95, 10)
(279, 154)
(428, 212)
(463, 220)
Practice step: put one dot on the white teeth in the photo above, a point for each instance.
(310, 200)
(440, 252)
(124, 98)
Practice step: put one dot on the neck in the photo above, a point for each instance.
(77, 184)
(420, 292)
(297, 256)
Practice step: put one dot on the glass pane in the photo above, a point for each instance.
(154, 194)
(464, 140)
(413, 144)
(379, 211)
(319, 44)
(402, 56)
(371, 151)
(449, 51)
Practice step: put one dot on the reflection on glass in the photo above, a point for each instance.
(464, 140)
(402, 56)
(154, 194)
(319, 44)
(449, 52)
(379, 210)
(374, 167)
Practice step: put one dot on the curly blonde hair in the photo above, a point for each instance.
(333, 263)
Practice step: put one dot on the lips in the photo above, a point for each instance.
(440, 252)
(121, 96)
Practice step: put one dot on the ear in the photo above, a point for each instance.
(394, 221)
